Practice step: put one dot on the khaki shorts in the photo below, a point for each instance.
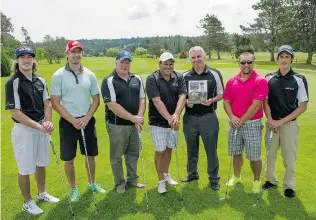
(30, 148)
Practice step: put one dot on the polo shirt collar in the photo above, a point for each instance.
(172, 76)
(206, 70)
(67, 67)
(286, 76)
(116, 76)
(23, 77)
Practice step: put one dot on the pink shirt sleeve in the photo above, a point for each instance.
(227, 95)
(261, 90)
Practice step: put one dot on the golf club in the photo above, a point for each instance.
(85, 149)
(230, 167)
(143, 166)
(265, 161)
(177, 161)
(61, 176)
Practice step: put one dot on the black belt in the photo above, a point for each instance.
(200, 114)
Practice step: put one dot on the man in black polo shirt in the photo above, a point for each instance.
(287, 99)
(166, 92)
(200, 117)
(124, 96)
(27, 99)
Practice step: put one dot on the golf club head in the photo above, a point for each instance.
(221, 199)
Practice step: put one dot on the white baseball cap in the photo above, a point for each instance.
(166, 56)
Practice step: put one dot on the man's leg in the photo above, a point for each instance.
(289, 146)
(118, 136)
(91, 160)
(208, 128)
(24, 183)
(270, 169)
(70, 173)
(256, 167)
(192, 139)
(166, 158)
(40, 176)
(131, 155)
(238, 161)
(159, 164)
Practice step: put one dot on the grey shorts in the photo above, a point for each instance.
(163, 138)
(248, 136)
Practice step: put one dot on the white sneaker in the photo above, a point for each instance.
(169, 179)
(47, 198)
(32, 208)
(162, 187)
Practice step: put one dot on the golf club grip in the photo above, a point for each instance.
(270, 140)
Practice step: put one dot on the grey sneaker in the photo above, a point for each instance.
(120, 188)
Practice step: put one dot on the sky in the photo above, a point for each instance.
(108, 19)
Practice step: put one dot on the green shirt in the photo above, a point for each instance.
(75, 91)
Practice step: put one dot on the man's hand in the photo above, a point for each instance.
(139, 128)
(236, 122)
(208, 102)
(137, 120)
(82, 122)
(275, 124)
(49, 127)
(175, 118)
(189, 104)
(41, 128)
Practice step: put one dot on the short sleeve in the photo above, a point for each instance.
(94, 90)
(181, 85)
(261, 90)
(45, 91)
(56, 85)
(152, 89)
(107, 90)
(141, 89)
(12, 95)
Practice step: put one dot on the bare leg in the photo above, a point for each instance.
(91, 160)
(40, 176)
(256, 167)
(24, 183)
(70, 172)
(238, 162)
(158, 163)
(166, 160)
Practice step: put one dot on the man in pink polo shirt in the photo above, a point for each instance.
(243, 99)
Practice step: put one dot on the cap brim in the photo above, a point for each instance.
(33, 54)
(163, 60)
(125, 58)
(75, 48)
(290, 52)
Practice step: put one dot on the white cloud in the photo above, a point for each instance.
(141, 10)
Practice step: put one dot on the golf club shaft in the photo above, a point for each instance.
(61, 176)
(143, 166)
(177, 161)
(87, 159)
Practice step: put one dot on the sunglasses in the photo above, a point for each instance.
(243, 62)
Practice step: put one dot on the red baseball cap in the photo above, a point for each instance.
(72, 45)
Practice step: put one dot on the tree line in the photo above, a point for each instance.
(278, 22)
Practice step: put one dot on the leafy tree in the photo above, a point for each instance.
(140, 51)
(241, 43)
(215, 36)
(111, 52)
(5, 63)
(27, 38)
(49, 48)
(7, 40)
(39, 54)
(154, 49)
(305, 26)
(272, 22)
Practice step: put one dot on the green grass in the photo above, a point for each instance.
(200, 201)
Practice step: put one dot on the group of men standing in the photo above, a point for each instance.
(283, 96)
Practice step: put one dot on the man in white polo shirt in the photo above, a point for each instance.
(71, 90)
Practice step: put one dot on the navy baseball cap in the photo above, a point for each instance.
(124, 55)
(285, 48)
(24, 50)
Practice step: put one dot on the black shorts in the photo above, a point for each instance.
(69, 137)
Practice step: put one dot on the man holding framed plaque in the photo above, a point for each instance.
(205, 89)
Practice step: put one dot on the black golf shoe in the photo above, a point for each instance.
(215, 186)
(190, 179)
(267, 185)
(289, 193)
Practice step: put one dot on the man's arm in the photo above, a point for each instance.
(118, 110)
(160, 106)
(236, 123)
(24, 119)
(251, 111)
(142, 107)
(62, 111)
(93, 107)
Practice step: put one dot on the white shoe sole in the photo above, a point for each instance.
(25, 210)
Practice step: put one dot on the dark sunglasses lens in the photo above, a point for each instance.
(243, 62)
(249, 61)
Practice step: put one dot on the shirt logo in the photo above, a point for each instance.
(289, 88)
(175, 84)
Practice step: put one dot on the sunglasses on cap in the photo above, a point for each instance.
(243, 62)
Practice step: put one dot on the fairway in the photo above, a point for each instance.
(200, 202)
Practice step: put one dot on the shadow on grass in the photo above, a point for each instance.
(275, 206)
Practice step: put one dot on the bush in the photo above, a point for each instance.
(140, 51)
(5, 63)
(111, 52)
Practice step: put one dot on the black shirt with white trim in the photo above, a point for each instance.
(26, 95)
(285, 93)
(126, 93)
(168, 91)
(215, 86)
